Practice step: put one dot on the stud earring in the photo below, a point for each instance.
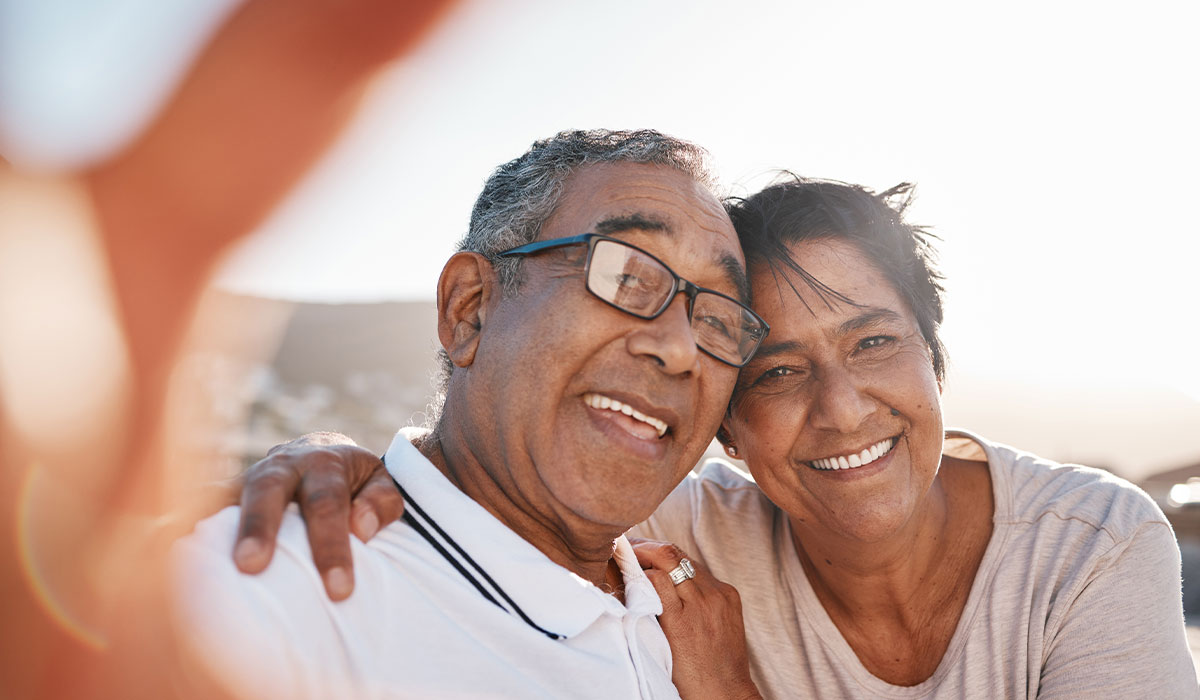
(732, 450)
(895, 412)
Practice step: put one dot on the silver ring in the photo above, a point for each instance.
(683, 572)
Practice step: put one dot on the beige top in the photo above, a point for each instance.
(1077, 596)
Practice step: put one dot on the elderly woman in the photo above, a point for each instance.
(876, 554)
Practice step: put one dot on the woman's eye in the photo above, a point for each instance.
(776, 379)
(777, 372)
(874, 341)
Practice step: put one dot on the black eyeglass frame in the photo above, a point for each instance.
(679, 285)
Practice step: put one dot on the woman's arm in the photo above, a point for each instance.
(1123, 634)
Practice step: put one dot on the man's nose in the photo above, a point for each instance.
(841, 404)
(669, 339)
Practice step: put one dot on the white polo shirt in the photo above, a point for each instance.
(416, 627)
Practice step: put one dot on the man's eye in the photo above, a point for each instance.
(628, 280)
(715, 324)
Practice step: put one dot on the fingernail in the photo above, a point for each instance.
(366, 525)
(248, 552)
(338, 583)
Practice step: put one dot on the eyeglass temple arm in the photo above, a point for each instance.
(546, 245)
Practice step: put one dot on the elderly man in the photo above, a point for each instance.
(592, 325)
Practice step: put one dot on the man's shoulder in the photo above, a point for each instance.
(250, 630)
(217, 534)
(279, 626)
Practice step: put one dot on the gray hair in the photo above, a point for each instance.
(522, 194)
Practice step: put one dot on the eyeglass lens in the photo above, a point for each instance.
(635, 282)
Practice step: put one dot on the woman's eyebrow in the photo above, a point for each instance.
(786, 346)
(871, 316)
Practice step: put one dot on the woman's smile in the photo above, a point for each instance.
(854, 460)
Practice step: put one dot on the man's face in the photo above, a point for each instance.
(556, 367)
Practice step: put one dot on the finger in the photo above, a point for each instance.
(269, 488)
(658, 559)
(658, 555)
(378, 503)
(665, 587)
(325, 506)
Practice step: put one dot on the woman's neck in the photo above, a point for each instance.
(897, 602)
(878, 576)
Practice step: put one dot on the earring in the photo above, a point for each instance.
(895, 412)
(732, 450)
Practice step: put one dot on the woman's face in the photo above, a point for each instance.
(838, 415)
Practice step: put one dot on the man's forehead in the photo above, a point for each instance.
(665, 196)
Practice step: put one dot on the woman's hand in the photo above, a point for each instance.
(321, 471)
(702, 618)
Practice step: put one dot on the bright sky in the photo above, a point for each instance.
(1054, 145)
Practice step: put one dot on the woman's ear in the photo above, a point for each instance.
(726, 439)
(465, 291)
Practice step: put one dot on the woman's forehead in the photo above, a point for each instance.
(836, 268)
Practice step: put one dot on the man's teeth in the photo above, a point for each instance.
(603, 402)
(853, 461)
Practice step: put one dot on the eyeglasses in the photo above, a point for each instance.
(634, 281)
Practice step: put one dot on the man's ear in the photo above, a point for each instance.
(465, 292)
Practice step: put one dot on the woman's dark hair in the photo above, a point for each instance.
(797, 209)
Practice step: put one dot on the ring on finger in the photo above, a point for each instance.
(683, 572)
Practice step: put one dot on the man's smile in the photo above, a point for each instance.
(649, 423)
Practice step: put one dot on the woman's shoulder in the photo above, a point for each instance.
(712, 496)
(720, 485)
(1030, 488)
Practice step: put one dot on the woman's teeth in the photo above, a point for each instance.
(854, 461)
(603, 402)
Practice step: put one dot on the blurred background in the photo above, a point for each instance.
(1054, 146)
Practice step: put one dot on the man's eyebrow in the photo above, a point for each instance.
(870, 317)
(631, 222)
(737, 275)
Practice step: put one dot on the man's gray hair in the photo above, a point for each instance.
(522, 194)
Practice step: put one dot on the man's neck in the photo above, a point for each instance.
(582, 547)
